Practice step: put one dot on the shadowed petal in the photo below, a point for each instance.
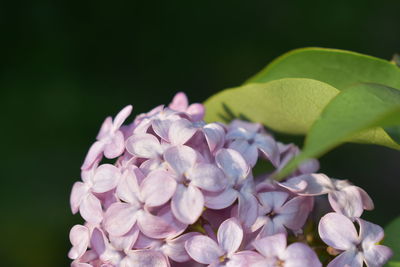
(247, 209)
(351, 258)
(144, 258)
(196, 111)
(179, 102)
(155, 226)
(94, 154)
(370, 233)
(377, 255)
(106, 178)
(249, 152)
(181, 131)
(368, 204)
(232, 163)
(244, 259)
(157, 188)
(175, 248)
(215, 136)
(338, 231)
(203, 249)
(78, 193)
(116, 147)
(293, 214)
(313, 184)
(347, 201)
(187, 203)
(272, 200)
(220, 200)
(120, 218)
(299, 255)
(271, 246)
(208, 177)
(126, 241)
(230, 235)
(268, 147)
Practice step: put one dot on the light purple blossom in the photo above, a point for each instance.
(275, 253)
(339, 232)
(344, 197)
(180, 103)
(224, 250)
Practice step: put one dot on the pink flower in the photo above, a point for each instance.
(277, 212)
(223, 251)
(180, 103)
(344, 197)
(275, 253)
(110, 139)
(248, 139)
(339, 232)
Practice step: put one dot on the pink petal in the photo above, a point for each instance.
(90, 209)
(181, 131)
(179, 102)
(157, 188)
(299, 254)
(196, 111)
(232, 163)
(144, 258)
(94, 154)
(106, 178)
(249, 152)
(271, 246)
(215, 136)
(180, 158)
(245, 258)
(347, 201)
(161, 127)
(128, 188)
(338, 231)
(208, 177)
(126, 241)
(78, 193)
(116, 146)
(220, 200)
(203, 249)
(247, 209)
(187, 203)
(368, 204)
(98, 242)
(121, 117)
(155, 226)
(143, 146)
(120, 218)
(79, 237)
(175, 248)
(313, 184)
(105, 129)
(377, 255)
(351, 258)
(230, 236)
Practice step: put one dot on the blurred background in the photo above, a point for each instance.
(66, 65)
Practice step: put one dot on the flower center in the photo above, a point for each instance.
(279, 263)
(222, 259)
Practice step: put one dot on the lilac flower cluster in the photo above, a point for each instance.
(182, 193)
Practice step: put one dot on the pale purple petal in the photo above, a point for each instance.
(247, 209)
(98, 242)
(351, 258)
(232, 163)
(215, 136)
(105, 128)
(293, 214)
(272, 200)
(143, 146)
(299, 255)
(244, 259)
(368, 204)
(180, 158)
(309, 166)
(347, 201)
(271, 246)
(94, 154)
(155, 226)
(175, 248)
(161, 127)
(90, 209)
(177, 226)
(220, 200)
(249, 152)
(181, 131)
(120, 218)
(208, 177)
(157, 188)
(121, 117)
(128, 188)
(106, 178)
(79, 237)
(144, 258)
(338, 231)
(179, 102)
(230, 236)
(116, 146)
(78, 193)
(313, 184)
(268, 147)
(196, 111)
(126, 241)
(271, 228)
(370, 233)
(203, 249)
(377, 255)
(187, 203)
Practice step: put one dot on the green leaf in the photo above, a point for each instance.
(392, 238)
(338, 68)
(287, 105)
(355, 114)
(393, 264)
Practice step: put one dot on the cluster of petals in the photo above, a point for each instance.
(182, 192)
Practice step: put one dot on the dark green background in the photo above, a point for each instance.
(66, 65)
